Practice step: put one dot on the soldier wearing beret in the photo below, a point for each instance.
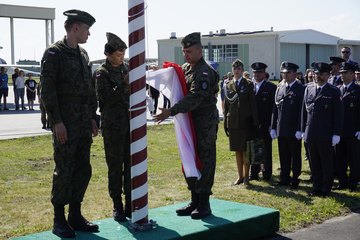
(203, 85)
(264, 95)
(286, 124)
(347, 151)
(322, 125)
(240, 118)
(68, 93)
(112, 90)
(335, 78)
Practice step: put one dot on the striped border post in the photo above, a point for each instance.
(138, 146)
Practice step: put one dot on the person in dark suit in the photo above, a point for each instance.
(346, 53)
(240, 118)
(347, 151)
(322, 127)
(286, 124)
(335, 78)
(264, 95)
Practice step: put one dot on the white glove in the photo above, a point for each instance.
(298, 135)
(273, 133)
(335, 140)
(357, 135)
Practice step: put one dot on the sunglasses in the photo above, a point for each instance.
(345, 52)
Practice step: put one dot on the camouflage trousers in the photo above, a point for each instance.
(206, 135)
(72, 171)
(117, 153)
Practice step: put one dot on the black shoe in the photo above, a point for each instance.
(256, 178)
(281, 183)
(238, 181)
(201, 212)
(119, 215)
(43, 127)
(340, 187)
(187, 210)
(62, 229)
(79, 223)
(314, 193)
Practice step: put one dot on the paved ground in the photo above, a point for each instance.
(15, 124)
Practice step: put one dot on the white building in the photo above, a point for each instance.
(271, 47)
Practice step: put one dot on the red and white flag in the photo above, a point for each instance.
(170, 81)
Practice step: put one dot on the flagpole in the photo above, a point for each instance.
(138, 143)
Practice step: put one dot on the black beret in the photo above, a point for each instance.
(322, 67)
(258, 66)
(191, 39)
(345, 66)
(336, 60)
(237, 63)
(288, 66)
(74, 15)
(115, 42)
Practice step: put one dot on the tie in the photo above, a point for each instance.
(318, 90)
(287, 88)
(345, 90)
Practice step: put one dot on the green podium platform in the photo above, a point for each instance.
(229, 220)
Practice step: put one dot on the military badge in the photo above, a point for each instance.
(351, 104)
(204, 85)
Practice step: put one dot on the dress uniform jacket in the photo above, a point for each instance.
(351, 103)
(335, 80)
(324, 113)
(287, 110)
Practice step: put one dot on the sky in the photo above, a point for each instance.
(334, 17)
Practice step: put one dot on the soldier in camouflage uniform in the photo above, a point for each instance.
(202, 83)
(68, 94)
(112, 90)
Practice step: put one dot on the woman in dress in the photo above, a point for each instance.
(240, 118)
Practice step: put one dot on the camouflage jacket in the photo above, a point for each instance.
(67, 89)
(112, 89)
(203, 85)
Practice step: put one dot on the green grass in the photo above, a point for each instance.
(26, 167)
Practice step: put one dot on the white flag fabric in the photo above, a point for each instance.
(168, 83)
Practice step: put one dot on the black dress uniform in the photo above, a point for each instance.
(286, 120)
(323, 120)
(265, 103)
(347, 151)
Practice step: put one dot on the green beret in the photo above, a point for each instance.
(74, 15)
(191, 39)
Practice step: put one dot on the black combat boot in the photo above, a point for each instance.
(203, 209)
(118, 212)
(188, 209)
(78, 222)
(61, 227)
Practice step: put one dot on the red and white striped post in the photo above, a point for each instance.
(138, 146)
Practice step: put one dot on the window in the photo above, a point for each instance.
(221, 53)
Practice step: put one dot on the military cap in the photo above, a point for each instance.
(191, 39)
(74, 15)
(114, 43)
(237, 63)
(345, 66)
(258, 66)
(357, 69)
(322, 67)
(288, 66)
(336, 60)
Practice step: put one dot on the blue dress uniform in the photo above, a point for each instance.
(323, 120)
(347, 151)
(264, 96)
(286, 119)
